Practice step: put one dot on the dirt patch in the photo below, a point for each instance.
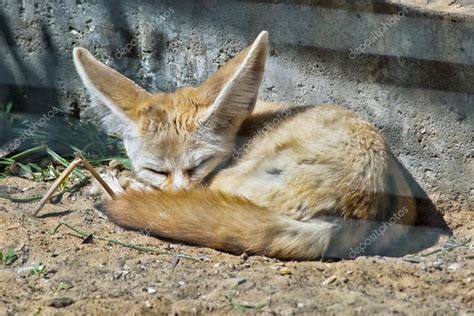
(59, 274)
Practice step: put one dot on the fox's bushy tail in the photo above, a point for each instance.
(220, 221)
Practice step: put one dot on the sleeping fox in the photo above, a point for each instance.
(233, 173)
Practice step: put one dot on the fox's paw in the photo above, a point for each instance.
(119, 183)
(111, 178)
(135, 185)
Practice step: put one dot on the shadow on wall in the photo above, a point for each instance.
(34, 90)
(370, 6)
(39, 95)
(400, 71)
(34, 85)
(403, 71)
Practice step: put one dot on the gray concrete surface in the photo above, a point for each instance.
(413, 78)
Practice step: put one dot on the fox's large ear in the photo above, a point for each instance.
(114, 96)
(233, 89)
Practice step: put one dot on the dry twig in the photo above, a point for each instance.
(79, 160)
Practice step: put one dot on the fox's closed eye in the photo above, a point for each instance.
(195, 169)
(158, 172)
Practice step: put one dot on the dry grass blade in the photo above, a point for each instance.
(56, 184)
(96, 175)
(82, 234)
(79, 160)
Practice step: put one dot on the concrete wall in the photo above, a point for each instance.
(413, 78)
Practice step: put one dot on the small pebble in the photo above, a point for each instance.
(61, 302)
(454, 267)
(233, 282)
(437, 264)
(284, 271)
(119, 274)
(13, 190)
(329, 280)
(65, 286)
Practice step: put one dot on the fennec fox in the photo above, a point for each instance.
(236, 174)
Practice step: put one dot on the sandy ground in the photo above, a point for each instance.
(101, 278)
